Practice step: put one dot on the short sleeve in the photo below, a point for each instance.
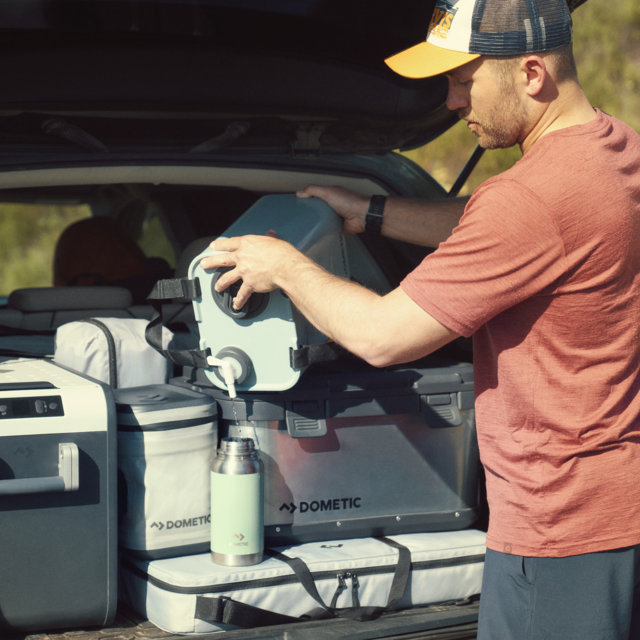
(506, 249)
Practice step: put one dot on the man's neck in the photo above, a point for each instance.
(568, 109)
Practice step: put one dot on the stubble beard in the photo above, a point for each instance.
(502, 125)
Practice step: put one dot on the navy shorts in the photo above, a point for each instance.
(594, 596)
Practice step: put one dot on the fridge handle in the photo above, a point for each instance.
(66, 480)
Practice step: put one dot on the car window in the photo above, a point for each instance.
(142, 220)
(28, 236)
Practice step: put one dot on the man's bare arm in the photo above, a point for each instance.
(427, 223)
(382, 330)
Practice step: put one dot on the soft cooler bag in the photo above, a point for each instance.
(357, 579)
(165, 439)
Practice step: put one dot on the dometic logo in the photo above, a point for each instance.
(180, 524)
(441, 19)
(333, 504)
(239, 537)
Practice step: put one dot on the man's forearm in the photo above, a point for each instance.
(377, 328)
(382, 330)
(427, 223)
(423, 222)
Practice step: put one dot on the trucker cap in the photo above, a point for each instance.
(462, 30)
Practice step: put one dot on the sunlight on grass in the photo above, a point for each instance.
(28, 235)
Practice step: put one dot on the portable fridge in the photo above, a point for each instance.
(362, 452)
(58, 530)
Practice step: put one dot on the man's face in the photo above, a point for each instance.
(489, 102)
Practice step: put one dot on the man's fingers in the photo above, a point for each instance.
(227, 279)
(225, 244)
(243, 295)
(312, 190)
(226, 259)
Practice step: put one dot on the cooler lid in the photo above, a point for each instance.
(162, 404)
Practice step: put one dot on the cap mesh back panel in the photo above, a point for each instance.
(512, 27)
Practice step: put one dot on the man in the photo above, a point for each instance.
(543, 269)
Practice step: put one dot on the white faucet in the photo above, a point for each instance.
(228, 372)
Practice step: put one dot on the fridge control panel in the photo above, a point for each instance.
(33, 407)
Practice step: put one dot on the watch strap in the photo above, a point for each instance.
(373, 220)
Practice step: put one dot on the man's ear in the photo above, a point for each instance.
(534, 73)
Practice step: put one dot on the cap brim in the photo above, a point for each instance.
(425, 60)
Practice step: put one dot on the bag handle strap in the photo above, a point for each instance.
(111, 350)
(228, 611)
(398, 585)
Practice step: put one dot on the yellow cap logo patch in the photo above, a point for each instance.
(441, 20)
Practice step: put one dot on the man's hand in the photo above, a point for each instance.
(348, 204)
(256, 260)
(426, 223)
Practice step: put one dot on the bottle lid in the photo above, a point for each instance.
(237, 446)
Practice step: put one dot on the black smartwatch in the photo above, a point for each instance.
(373, 221)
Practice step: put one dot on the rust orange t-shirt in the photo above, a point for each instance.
(544, 271)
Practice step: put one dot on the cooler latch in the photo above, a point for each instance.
(441, 410)
(306, 419)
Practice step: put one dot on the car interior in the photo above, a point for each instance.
(186, 208)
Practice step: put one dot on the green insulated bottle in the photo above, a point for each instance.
(237, 504)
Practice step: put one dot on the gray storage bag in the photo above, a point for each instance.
(165, 439)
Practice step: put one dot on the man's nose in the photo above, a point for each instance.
(456, 97)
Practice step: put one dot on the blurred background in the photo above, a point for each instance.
(607, 51)
(606, 45)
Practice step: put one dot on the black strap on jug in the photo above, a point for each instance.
(228, 611)
(315, 354)
(174, 289)
(186, 289)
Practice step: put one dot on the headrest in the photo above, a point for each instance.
(192, 250)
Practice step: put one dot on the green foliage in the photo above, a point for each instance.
(154, 242)
(607, 52)
(28, 235)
